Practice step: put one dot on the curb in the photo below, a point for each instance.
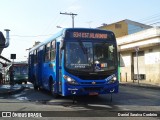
(11, 92)
(141, 86)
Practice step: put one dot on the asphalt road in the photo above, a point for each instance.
(128, 99)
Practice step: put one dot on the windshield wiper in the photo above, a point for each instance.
(82, 47)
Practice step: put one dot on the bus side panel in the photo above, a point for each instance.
(39, 68)
(45, 75)
(36, 73)
(57, 67)
(48, 73)
(31, 67)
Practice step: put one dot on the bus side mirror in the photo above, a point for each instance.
(62, 45)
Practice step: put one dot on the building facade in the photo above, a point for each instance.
(125, 27)
(141, 55)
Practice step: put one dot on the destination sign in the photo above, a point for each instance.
(89, 35)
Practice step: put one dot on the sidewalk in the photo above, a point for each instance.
(10, 89)
(142, 84)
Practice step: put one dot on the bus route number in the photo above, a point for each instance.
(89, 35)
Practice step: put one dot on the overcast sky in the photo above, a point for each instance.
(36, 20)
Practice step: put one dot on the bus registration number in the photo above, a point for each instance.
(93, 93)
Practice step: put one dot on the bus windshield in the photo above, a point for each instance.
(90, 56)
(20, 70)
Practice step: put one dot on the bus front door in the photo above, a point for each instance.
(58, 69)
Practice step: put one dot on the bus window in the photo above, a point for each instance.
(35, 56)
(104, 54)
(53, 50)
(20, 73)
(84, 56)
(47, 52)
(79, 55)
(24, 70)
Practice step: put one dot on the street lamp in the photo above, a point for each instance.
(58, 26)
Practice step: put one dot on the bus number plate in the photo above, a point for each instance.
(93, 93)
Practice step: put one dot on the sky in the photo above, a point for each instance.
(37, 20)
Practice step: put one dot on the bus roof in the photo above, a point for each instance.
(62, 32)
(48, 40)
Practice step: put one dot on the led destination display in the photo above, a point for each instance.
(89, 35)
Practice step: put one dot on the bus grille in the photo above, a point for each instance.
(90, 83)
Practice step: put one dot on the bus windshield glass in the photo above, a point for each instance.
(20, 70)
(90, 56)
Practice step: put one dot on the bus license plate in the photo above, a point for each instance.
(93, 93)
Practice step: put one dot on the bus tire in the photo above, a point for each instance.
(51, 85)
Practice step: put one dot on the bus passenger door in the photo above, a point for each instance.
(40, 63)
(58, 69)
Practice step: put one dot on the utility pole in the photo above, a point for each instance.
(72, 14)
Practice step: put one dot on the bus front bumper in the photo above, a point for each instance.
(91, 90)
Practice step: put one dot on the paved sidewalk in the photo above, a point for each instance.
(10, 89)
(142, 84)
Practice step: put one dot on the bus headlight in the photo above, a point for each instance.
(113, 80)
(70, 80)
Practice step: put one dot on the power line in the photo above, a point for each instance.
(57, 20)
(53, 23)
(30, 36)
(151, 22)
(149, 17)
(155, 23)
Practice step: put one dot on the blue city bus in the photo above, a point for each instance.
(76, 61)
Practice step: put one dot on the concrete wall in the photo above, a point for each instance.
(126, 71)
(148, 42)
(149, 64)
